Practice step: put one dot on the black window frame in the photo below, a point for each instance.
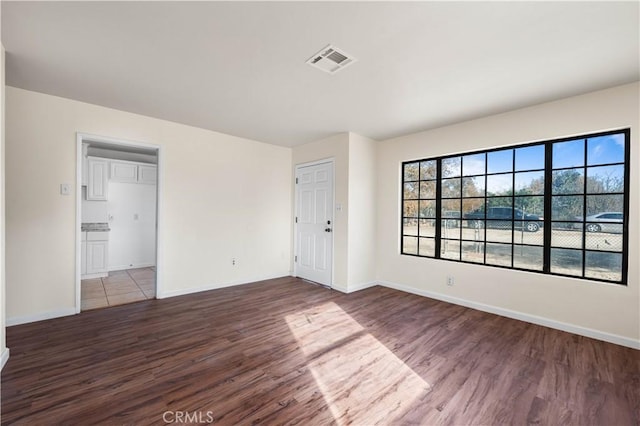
(435, 239)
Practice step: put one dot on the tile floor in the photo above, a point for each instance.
(118, 288)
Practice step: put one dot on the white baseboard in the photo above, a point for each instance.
(4, 357)
(361, 286)
(125, 267)
(93, 276)
(40, 317)
(182, 292)
(558, 325)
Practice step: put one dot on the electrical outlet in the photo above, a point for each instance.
(450, 280)
(233, 261)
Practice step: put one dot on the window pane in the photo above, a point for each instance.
(530, 158)
(499, 254)
(603, 203)
(567, 207)
(409, 226)
(499, 235)
(428, 189)
(604, 241)
(529, 208)
(473, 252)
(427, 247)
(605, 179)
(605, 149)
(450, 249)
(410, 245)
(451, 188)
(473, 186)
(566, 238)
(411, 171)
(451, 208)
(473, 206)
(498, 202)
(473, 233)
(603, 266)
(527, 257)
(451, 167)
(427, 228)
(428, 208)
(568, 154)
(569, 181)
(566, 262)
(528, 232)
(450, 229)
(530, 183)
(428, 169)
(473, 164)
(575, 225)
(451, 213)
(500, 184)
(500, 161)
(410, 209)
(411, 190)
(505, 225)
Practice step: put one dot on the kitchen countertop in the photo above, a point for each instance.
(95, 227)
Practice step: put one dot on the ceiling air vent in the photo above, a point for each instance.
(331, 59)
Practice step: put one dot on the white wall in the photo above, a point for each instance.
(132, 239)
(586, 307)
(221, 197)
(92, 211)
(362, 212)
(4, 352)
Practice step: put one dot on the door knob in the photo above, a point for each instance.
(327, 229)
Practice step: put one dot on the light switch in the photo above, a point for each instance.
(65, 189)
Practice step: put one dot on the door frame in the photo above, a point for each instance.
(330, 160)
(87, 137)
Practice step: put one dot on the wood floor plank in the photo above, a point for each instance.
(284, 351)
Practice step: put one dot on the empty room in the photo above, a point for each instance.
(363, 213)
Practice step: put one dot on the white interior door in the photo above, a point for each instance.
(314, 222)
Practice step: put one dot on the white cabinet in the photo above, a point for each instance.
(97, 179)
(97, 258)
(96, 255)
(147, 174)
(124, 172)
(130, 172)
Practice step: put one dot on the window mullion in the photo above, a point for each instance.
(438, 229)
(548, 187)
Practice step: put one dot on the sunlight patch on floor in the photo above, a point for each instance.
(361, 380)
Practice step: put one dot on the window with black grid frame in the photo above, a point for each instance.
(557, 207)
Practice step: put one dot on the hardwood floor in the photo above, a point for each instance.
(284, 351)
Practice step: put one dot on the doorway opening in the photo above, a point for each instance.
(314, 222)
(116, 221)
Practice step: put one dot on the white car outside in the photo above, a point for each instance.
(604, 222)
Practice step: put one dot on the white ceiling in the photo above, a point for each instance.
(239, 67)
